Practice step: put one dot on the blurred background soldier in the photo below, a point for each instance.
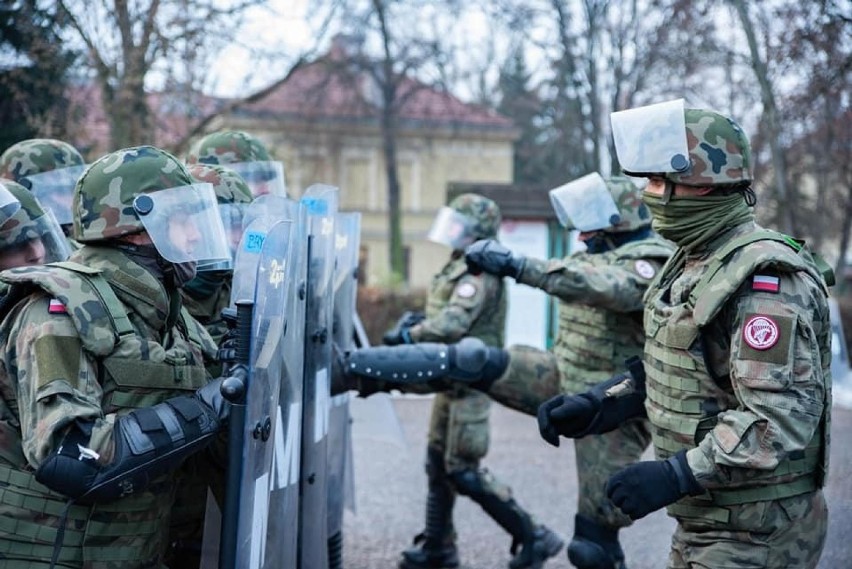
(462, 304)
(49, 168)
(104, 390)
(246, 155)
(600, 326)
(736, 362)
(31, 236)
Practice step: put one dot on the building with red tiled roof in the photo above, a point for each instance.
(324, 122)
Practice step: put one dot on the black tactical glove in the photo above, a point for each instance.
(597, 411)
(399, 334)
(647, 486)
(489, 256)
(211, 395)
(566, 415)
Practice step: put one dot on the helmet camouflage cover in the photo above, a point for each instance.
(483, 212)
(719, 151)
(37, 155)
(103, 197)
(228, 147)
(230, 188)
(632, 212)
(20, 228)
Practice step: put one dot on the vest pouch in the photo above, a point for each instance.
(137, 384)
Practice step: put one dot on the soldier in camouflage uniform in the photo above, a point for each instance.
(736, 380)
(49, 168)
(462, 304)
(246, 155)
(600, 326)
(31, 236)
(204, 297)
(103, 390)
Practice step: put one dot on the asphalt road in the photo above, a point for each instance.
(391, 490)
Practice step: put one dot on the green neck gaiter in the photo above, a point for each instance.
(691, 222)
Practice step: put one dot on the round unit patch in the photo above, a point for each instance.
(465, 290)
(760, 332)
(644, 269)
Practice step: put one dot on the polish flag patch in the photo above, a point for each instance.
(766, 283)
(56, 307)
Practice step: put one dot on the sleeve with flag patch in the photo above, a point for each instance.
(56, 307)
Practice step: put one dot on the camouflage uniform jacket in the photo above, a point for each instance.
(62, 360)
(600, 309)
(463, 304)
(737, 359)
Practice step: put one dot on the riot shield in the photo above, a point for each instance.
(272, 246)
(317, 218)
(340, 479)
(282, 533)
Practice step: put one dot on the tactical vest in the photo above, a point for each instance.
(684, 400)
(133, 373)
(490, 325)
(593, 342)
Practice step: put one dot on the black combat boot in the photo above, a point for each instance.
(435, 547)
(594, 546)
(536, 543)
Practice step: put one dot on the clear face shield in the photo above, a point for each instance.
(262, 177)
(452, 229)
(585, 204)
(185, 226)
(55, 189)
(233, 217)
(9, 204)
(34, 242)
(651, 139)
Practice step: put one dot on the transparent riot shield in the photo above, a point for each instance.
(340, 473)
(317, 218)
(271, 244)
(282, 530)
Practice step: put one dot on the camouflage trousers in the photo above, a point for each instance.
(598, 458)
(779, 533)
(458, 428)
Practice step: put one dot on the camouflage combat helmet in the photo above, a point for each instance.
(228, 147)
(484, 212)
(632, 211)
(22, 226)
(719, 152)
(37, 155)
(103, 197)
(230, 188)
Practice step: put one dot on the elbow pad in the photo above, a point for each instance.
(148, 443)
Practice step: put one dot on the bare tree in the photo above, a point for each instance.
(125, 40)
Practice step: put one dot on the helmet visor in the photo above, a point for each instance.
(54, 189)
(9, 204)
(585, 204)
(651, 140)
(262, 177)
(184, 225)
(37, 241)
(452, 229)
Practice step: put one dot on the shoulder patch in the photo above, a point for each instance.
(766, 283)
(466, 290)
(56, 307)
(761, 332)
(644, 269)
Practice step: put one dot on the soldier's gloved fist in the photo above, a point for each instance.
(566, 415)
(647, 486)
(489, 256)
(211, 395)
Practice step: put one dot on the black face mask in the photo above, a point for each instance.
(601, 242)
(172, 275)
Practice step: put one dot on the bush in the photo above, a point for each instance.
(380, 308)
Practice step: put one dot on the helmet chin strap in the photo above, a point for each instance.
(668, 192)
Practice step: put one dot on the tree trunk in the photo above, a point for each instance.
(773, 127)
